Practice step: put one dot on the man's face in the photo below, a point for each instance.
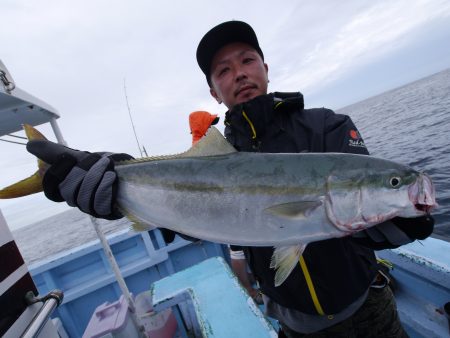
(238, 74)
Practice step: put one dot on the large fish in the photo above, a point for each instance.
(215, 193)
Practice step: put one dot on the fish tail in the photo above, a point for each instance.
(32, 184)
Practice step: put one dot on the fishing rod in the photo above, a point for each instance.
(142, 151)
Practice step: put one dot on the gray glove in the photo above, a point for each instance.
(82, 179)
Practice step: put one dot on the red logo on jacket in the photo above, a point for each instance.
(354, 134)
(355, 139)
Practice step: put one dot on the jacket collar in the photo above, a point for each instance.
(252, 117)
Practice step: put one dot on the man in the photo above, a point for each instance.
(336, 289)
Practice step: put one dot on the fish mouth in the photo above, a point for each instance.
(423, 194)
(424, 208)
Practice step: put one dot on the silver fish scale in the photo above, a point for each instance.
(226, 198)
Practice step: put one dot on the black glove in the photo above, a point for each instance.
(169, 236)
(416, 228)
(82, 179)
(396, 232)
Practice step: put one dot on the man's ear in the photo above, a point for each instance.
(267, 71)
(214, 95)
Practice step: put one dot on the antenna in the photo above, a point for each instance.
(20, 137)
(132, 123)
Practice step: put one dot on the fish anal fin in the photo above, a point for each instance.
(137, 224)
(284, 260)
(141, 227)
(294, 210)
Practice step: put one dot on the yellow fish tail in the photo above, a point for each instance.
(32, 184)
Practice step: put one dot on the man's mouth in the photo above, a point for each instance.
(243, 89)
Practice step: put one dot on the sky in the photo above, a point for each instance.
(79, 57)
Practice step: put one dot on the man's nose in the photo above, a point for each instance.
(241, 77)
(240, 74)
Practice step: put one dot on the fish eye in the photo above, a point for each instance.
(395, 181)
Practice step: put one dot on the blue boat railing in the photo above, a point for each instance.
(87, 280)
(422, 272)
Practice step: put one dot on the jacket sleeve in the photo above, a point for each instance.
(341, 135)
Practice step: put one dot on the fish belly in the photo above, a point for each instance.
(223, 217)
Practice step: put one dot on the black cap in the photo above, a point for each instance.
(221, 35)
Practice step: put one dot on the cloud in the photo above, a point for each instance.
(373, 32)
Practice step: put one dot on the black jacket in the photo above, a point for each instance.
(334, 272)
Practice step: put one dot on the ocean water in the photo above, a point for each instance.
(61, 232)
(410, 125)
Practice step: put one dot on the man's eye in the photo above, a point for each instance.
(248, 60)
(223, 71)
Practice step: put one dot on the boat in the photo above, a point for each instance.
(65, 294)
(18, 292)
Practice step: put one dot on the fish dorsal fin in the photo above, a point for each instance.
(213, 143)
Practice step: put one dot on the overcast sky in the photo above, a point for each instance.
(76, 56)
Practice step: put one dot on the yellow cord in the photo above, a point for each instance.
(276, 106)
(312, 291)
(250, 123)
(385, 262)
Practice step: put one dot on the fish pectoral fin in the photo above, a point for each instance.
(284, 260)
(294, 210)
(213, 143)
